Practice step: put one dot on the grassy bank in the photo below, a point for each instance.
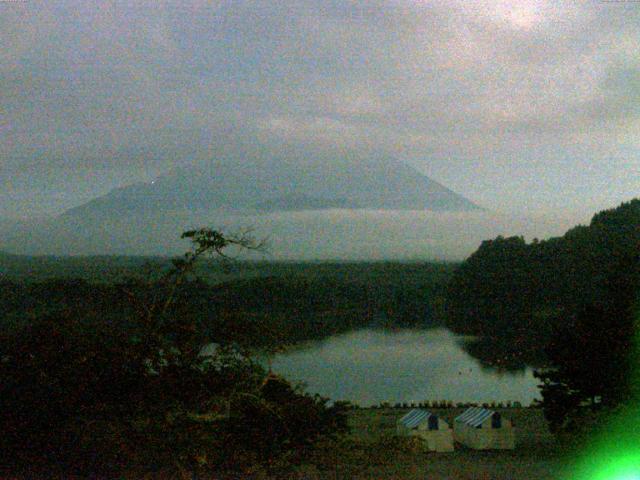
(372, 451)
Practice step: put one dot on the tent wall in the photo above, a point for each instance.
(486, 438)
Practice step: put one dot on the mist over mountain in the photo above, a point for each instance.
(335, 234)
(308, 206)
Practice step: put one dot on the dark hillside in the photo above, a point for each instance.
(515, 294)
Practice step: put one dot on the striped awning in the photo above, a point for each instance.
(415, 417)
(474, 416)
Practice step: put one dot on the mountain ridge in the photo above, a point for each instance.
(309, 205)
(268, 183)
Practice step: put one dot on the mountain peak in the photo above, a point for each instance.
(268, 182)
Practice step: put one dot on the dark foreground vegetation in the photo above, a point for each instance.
(121, 382)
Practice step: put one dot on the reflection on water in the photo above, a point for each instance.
(370, 366)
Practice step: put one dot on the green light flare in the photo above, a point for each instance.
(615, 453)
(625, 468)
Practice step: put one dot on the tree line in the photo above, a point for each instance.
(260, 312)
(567, 305)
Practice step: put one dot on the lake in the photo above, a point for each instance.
(370, 366)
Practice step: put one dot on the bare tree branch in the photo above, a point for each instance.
(204, 242)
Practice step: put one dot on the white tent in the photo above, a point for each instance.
(483, 429)
(429, 427)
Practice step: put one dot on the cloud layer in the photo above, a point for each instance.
(526, 106)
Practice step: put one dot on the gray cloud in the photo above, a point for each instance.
(520, 106)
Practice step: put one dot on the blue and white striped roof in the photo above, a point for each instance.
(474, 416)
(415, 417)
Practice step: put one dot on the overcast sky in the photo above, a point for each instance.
(527, 106)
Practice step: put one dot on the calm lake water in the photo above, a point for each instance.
(370, 366)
